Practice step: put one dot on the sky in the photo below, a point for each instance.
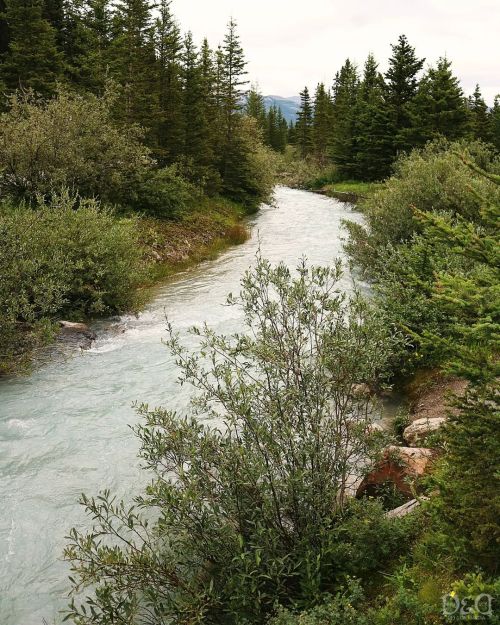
(293, 43)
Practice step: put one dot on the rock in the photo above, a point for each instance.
(399, 465)
(417, 431)
(361, 390)
(74, 326)
(403, 510)
(78, 332)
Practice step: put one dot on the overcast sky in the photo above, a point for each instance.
(292, 43)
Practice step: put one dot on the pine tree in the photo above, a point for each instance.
(321, 123)
(233, 77)
(32, 60)
(495, 122)
(373, 140)
(438, 109)
(92, 63)
(168, 44)
(231, 74)
(133, 62)
(303, 127)
(480, 118)
(342, 139)
(255, 107)
(401, 88)
(4, 31)
(193, 103)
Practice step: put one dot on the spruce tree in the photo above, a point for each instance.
(342, 138)
(372, 128)
(231, 79)
(168, 44)
(133, 62)
(438, 109)
(193, 104)
(92, 65)
(495, 122)
(255, 107)
(401, 88)
(4, 31)
(32, 59)
(480, 118)
(303, 127)
(321, 123)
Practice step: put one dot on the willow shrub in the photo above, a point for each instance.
(69, 257)
(431, 180)
(249, 490)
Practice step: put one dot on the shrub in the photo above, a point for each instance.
(70, 257)
(432, 179)
(249, 489)
(69, 141)
(338, 610)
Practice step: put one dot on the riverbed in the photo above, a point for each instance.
(64, 429)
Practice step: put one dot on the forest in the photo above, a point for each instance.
(129, 151)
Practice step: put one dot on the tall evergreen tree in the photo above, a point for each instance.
(401, 88)
(342, 139)
(255, 107)
(92, 64)
(168, 44)
(495, 122)
(373, 140)
(4, 31)
(438, 109)
(480, 118)
(32, 59)
(321, 123)
(303, 127)
(133, 61)
(193, 103)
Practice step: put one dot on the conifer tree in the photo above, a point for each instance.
(4, 31)
(233, 78)
(321, 123)
(372, 126)
(438, 109)
(32, 60)
(168, 44)
(193, 102)
(133, 62)
(303, 127)
(342, 139)
(255, 107)
(231, 72)
(495, 122)
(480, 118)
(401, 88)
(92, 65)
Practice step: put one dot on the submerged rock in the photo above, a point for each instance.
(417, 431)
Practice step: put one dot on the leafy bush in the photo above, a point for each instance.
(250, 489)
(70, 257)
(338, 610)
(432, 179)
(72, 141)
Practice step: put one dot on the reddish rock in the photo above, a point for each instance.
(399, 465)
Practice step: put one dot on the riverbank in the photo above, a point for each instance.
(112, 266)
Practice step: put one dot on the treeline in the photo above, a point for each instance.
(187, 98)
(365, 121)
(273, 126)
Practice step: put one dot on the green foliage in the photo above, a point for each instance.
(303, 127)
(65, 258)
(32, 60)
(71, 141)
(338, 610)
(249, 499)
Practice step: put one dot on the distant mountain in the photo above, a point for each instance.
(289, 106)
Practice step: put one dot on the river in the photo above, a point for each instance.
(64, 429)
